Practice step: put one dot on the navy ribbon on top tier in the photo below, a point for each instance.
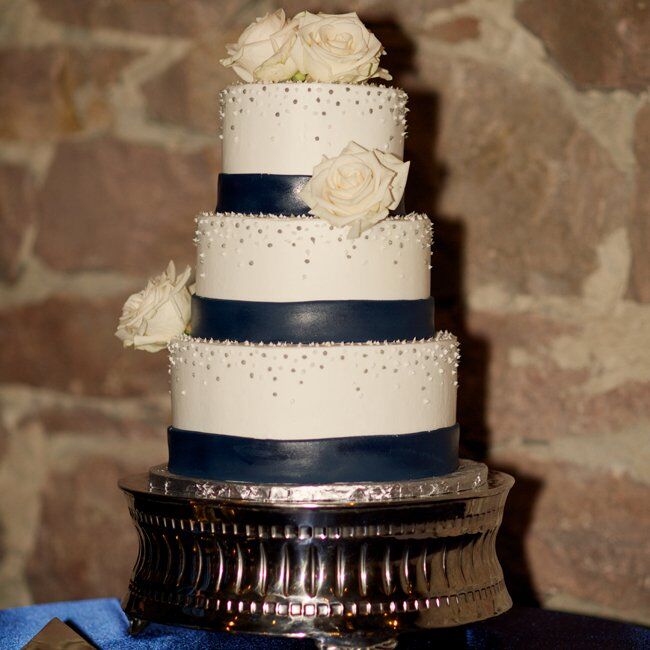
(265, 194)
(319, 321)
(402, 457)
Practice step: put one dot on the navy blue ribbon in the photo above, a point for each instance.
(319, 321)
(261, 194)
(324, 460)
(265, 194)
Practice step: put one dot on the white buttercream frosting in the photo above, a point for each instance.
(284, 259)
(287, 128)
(313, 391)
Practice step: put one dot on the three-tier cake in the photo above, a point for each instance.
(311, 355)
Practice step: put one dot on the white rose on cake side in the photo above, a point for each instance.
(263, 51)
(336, 48)
(153, 317)
(358, 188)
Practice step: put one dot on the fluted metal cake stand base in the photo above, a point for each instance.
(351, 566)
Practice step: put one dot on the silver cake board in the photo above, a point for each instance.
(349, 565)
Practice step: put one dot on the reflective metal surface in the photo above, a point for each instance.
(469, 476)
(347, 573)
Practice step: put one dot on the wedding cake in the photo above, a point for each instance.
(304, 350)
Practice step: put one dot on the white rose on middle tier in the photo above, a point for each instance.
(336, 48)
(358, 188)
(263, 51)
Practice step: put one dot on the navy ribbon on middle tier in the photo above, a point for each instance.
(319, 321)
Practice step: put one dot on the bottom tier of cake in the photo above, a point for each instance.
(314, 413)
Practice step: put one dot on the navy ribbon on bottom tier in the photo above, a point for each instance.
(351, 459)
(318, 321)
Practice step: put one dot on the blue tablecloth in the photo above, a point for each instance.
(103, 624)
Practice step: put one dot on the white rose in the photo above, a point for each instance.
(263, 51)
(158, 313)
(357, 188)
(336, 48)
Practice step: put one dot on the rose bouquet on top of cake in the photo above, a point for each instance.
(309, 47)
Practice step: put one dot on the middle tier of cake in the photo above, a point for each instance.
(297, 258)
(297, 279)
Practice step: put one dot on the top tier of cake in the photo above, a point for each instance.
(287, 128)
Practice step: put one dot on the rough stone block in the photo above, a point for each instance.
(68, 344)
(17, 214)
(597, 44)
(584, 534)
(108, 204)
(164, 17)
(456, 30)
(142, 419)
(187, 92)
(54, 91)
(640, 226)
(522, 393)
(535, 193)
(86, 544)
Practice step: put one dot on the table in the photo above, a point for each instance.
(103, 623)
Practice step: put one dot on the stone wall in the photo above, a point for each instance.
(530, 142)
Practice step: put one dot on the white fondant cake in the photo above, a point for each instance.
(275, 259)
(287, 128)
(314, 391)
(331, 264)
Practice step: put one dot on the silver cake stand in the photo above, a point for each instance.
(351, 566)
